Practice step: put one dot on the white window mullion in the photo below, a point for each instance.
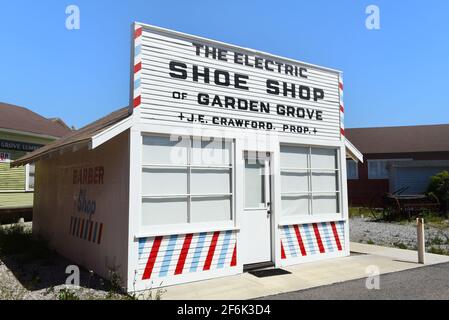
(189, 177)
(309, 164)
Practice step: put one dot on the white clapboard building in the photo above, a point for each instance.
(227, 159)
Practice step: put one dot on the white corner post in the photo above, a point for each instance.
(135, 146)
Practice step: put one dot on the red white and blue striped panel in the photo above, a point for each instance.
(342, 106)
(86, 229)
(311, 239)
(164, 256)
(137, 71)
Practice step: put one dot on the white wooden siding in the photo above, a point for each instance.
(159, 48)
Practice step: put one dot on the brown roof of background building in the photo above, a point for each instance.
(22, 119)
(404, 139)
(83, 135)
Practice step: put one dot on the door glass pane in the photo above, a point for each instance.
(254, 184)
(210, 181)
(164, 211)
(215, 208)
(325, 203)
(294, 157)
(165, 150)
(161, 181)
(295, 205)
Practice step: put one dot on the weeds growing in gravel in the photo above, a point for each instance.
(400, 245)
(18, 241)
(67, 294)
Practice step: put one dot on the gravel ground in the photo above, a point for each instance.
(43, 279)
(392, 234)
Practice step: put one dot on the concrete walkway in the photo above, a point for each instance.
(304, 276)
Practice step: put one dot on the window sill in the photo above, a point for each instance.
(165, 231)
(311, 219)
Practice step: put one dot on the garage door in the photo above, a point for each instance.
(415, 178)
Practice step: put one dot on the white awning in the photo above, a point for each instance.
(352, 152)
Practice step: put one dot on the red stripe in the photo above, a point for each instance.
(342, 109)
(184, 252)
(299, 238)
(341, 86)
(137, 101)
(234, 256)
(82, 227)
(210, 254)
(99, 233)
(318, 238)
(337, 238)
(137, 32)
(138, 67)
(342, 131)
(90, 230)
(152, 258)
(282, 251)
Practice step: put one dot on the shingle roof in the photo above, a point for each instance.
(22, 119)
(404, 139)
(84, 134)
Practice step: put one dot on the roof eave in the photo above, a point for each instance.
(353, 152)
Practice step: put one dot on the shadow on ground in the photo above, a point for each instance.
(49, 272)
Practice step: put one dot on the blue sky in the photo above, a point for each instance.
(397, 75)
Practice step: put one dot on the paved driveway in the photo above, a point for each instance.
(431, 282)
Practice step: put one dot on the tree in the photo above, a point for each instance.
(439, 187)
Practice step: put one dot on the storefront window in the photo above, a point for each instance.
(309, 181)
(29, 179)
(186, 180)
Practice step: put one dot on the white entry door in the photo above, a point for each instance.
(256, 218)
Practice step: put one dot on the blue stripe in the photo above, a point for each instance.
(78, 227)
(87, 228)
(224, 249)
(290, 241)
(310, 244)
(141, 245)
(168, 255)
(136, 83)
(197, 254)
(328, 236)
(137, 50)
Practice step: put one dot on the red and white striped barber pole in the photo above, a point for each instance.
(137, 98)
(166, 256)
(342, 106)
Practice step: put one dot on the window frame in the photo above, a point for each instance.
(311, 216)
(190, 166)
